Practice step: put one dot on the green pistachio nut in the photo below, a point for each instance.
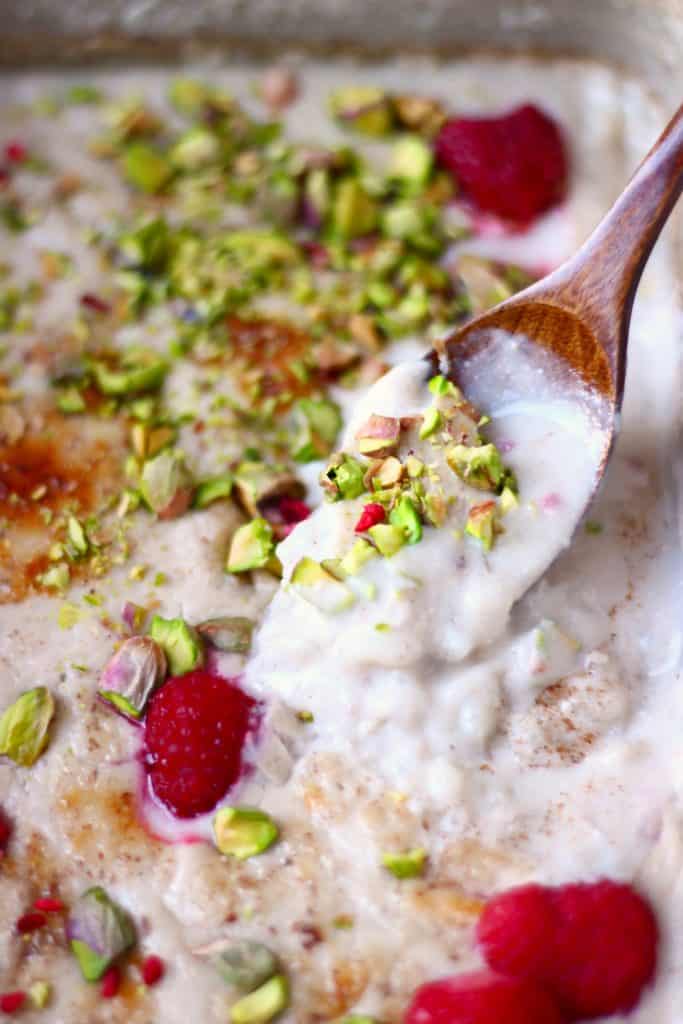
(252, 547)
(508, 500)
(388, 538)
(363, 109)
(243, 832)
(317, 422)
(318, 195)
(188, 95)
(480, 467)
(147, 246)
(39, 993)
(196, 149)
(230, 633)
(71, 402)
(404, 514)
(408, 220)
(343, 478)
(213, 489)
(166, 484)
(264, 1004)
(138, 371)
(24, 726)
(410, 864)
(258, 483)
(319, 587)
(146, 168)
(431, 421)
(246, 965)
(77, 545)
(99, 931)
(411, 163)
(481, 524)
(354, 560)
(180, 643)
(354, 211)
(132, 675)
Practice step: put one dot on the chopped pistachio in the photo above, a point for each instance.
(354, 212)
(245, 965)
(404, 514)
(356, 558)
(39, 994)
(146, 167)
(188, 95)
(78, 544)
(355, 1018)
(343, 478)
(315, 584)
(133, 674)
(258, 483)
(508, 500)
(195, 149)
(410, 864)
(213, 489)
(379, 436)
(139, 371)
(180, 643)
(363, 108)
(388, 538)
(431, 421)
(480, 467)
(83, 93)
(481, 523)
(243, 832)
(231, 633)
(24, 726)
(56, 577)
(166, 484)
(414, 467)
(71, 401)
(252, 547)
(148, 441)
(411, 162)
(484, 283)
(317, 423)
(264, 1004)
(98, 930)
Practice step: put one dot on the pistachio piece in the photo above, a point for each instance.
(246, 965)
(480, 467)
(252, 547)
(317, 423)
(264, 1004)
(146, 167)
(508, 499)
(180, 643)
(317, 197)
(410, 864)
(147, 246)
(98, 930)
(139, 371)
(354, 211)
(379, 436)
(132, 675)
(431, 421)
(343, 478)
(188, 95)
(315, 584)
(257, 484)
(388, 538)
(354, 560)
(243, 832)
(24, 726)
(410, 220)
(356, 1018)
(420, 114)
(39, 994)
(411, 163)
(362, 108)
(404, 514)
(481, 523)
(484, 283)
(166, 484)
(77, 542)
(230, 633)
(389, 472)
(213, 489)
(196, 149)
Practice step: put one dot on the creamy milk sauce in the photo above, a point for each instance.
(524, 739)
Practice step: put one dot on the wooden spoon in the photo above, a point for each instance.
(582, 311)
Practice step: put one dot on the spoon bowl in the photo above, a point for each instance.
(579, 315)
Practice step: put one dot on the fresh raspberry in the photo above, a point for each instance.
(152, 969)
(30, 922)
(10, 1002)
(195, 730)
(516, 931)
(372, 514)
(593, 945)
(482, 998)
(515, 166)
(111, 983)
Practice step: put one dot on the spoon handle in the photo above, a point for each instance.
(600, 281)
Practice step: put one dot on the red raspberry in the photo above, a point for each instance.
(515, 166)
(371, 515)
(593, 945)
(195, 730)
(10, 1002)
(111, 983)
(152, 969)
(30, 922)
(482, 998)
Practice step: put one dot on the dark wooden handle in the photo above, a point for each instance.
(599, 283)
